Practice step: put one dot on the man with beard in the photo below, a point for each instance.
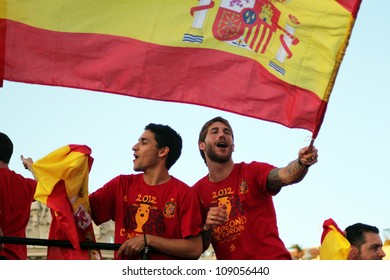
(240, 219)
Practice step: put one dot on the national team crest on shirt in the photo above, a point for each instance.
(169, 209)
(243, 187)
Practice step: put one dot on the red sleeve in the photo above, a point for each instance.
(103, 201)
(261, 171)
(191, 215)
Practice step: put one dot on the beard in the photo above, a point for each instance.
(213, 156)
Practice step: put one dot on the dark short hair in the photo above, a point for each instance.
(355, 233)
(6, 148)
(165, 136)
(205, 128)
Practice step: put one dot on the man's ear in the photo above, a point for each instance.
(163, 152)
(353, 253)
(202, 145)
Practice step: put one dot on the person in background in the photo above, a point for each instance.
(366, 244)
(156, 215)
(239, 215)
(16, 196)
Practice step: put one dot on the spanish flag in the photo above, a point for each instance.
(275, 60)
(334, 246)
(62, 179)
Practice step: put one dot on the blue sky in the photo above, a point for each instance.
(349, 183)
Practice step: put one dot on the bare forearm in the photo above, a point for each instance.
(291, 174)
(190, 248)
(294, 172)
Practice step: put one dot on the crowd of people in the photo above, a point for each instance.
(157, 216)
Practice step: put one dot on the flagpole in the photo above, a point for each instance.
(58, 243)
(311, 143)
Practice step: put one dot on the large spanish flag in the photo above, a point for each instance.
(275, 60)
(62, 178)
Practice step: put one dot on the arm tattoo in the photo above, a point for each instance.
(280, 177)
(294, 169)
(294, 173)
(274, 182)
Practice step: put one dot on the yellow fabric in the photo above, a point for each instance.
(321, 27)
(334, 246)
(62, 164)
(70, 164)
(386, 249)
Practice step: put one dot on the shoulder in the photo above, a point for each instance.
(178, 184)
(256, 166)
(117, 183)
(16, 178)
(200, 183)
(123, 179)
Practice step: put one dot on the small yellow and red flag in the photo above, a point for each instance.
(334, 245)
(62, 179)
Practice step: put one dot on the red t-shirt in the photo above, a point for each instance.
(16, 196)
(170, 210)
(251, 232)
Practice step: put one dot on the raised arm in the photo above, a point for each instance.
(294, 172)
(27, 163)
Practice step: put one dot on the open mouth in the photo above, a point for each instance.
(222, 145)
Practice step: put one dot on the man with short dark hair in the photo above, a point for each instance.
(153, 211)
(16, 196)
(366, 244)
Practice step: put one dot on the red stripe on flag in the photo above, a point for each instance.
(201, 8)
(3, 25)
(130, 67)
(58, 202)
(326, 227)
(63, 227)
(80, 149)
(84, 150)
(350, 6)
